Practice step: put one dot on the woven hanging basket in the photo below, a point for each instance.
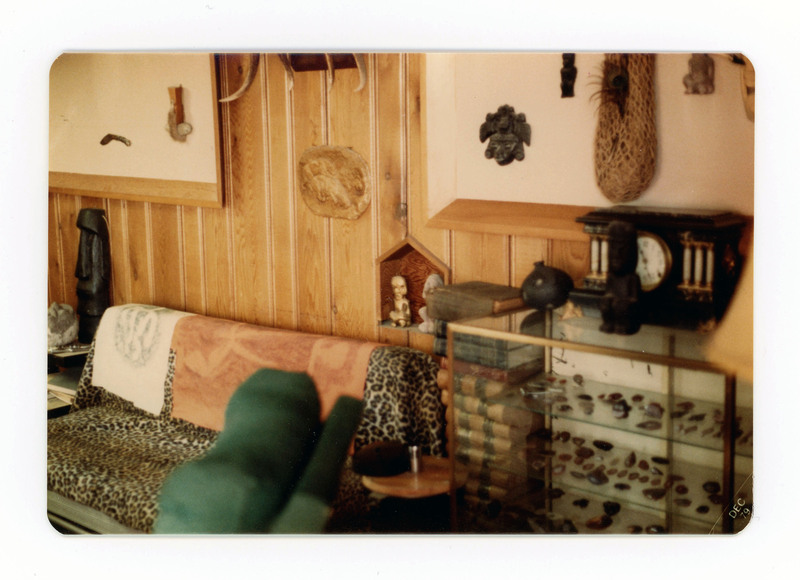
(625, 141)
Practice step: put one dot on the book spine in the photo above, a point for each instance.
(497, 358)
(447, 305)
(478, 386)
(487, 342)
(503, 306)
(440, 330)
(477, 423)
(512, 376)
(507, 414)
(440, 346)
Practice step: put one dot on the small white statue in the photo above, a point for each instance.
(401, 315)
(433, 281)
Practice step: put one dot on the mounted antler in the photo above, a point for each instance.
(251, 75)
(328, 62)
(361, 65)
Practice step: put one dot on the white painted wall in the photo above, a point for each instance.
(92, 94)
(705, 143)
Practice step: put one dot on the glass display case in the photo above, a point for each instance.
(561, 428)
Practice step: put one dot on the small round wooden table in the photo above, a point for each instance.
(432, 479)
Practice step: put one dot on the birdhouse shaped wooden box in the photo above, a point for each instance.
(411, 260)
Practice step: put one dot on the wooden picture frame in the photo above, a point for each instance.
(161, 169)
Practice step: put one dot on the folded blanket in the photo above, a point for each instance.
(132, 352)
(214, 356)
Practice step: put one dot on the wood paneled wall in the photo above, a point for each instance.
(264, 258)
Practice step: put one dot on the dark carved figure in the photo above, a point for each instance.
(568, 74)
(506, 131)
(93, 271)
(700, 80)
(620, 303)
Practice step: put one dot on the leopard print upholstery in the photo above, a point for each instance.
(120, 476)
(112, 456)
(402, 402)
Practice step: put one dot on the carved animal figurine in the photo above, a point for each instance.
(619, 305)
(401, 315)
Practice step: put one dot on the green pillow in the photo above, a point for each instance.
(261, 460)
(271, 423)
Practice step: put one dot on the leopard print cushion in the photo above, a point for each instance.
(114, 457)
(402, 402)
(122, 476)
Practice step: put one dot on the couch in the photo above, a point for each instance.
(153, 394)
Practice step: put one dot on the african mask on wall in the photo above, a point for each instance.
(506, 131)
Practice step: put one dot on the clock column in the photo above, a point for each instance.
(698, 268)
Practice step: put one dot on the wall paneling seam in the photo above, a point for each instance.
(404, 120)
(126, 290)
(150, 252)
(269, 214)
(181, 255)
(291, 135)
(326, 221)
(374, 151)
(60, 247)
(228, 181)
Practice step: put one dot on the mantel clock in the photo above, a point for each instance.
(689, 261)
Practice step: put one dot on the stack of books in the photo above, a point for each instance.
(496, 440)
(492, 358)
(494, 423)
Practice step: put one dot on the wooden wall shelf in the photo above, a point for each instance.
(536, 220)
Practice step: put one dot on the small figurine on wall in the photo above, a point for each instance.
(700, 80)
(93, 271)
(433, 281)
(401, 315)
(568, 75)
(506, 131)
(620, 303)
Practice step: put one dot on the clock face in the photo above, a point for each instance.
(654, 262)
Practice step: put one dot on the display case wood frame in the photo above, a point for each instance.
(668, 360)
(415, 263)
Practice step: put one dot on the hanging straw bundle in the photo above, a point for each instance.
(625, 141)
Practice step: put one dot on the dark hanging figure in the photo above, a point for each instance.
(568, 75)
(93, 272)
(619, 305)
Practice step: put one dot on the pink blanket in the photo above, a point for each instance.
(213, 357)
